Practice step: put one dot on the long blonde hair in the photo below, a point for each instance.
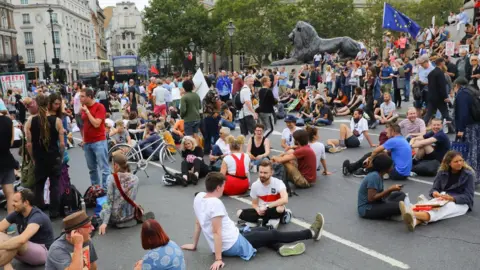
(235, 143)
(192, 141)
(447, 159)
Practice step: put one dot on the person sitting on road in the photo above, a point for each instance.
(412, 126)
(454, 183)
(387, 112)
(299, 165)
(150, 142)
(341, 100)
(158, 245)
(35, 233)
(258, 148)
(373, 201)
(178, 131)
(433, 145)
(227, 118)
(117, 211)
(235, 167)
(225, 239)
(318, 148)
(352, 105)
(193, 167)
(74, 248)
(353, 136)
(166, 135)
(119, 135)
(269, 199)
(399, 150)
(324, 114)
(220, 149)
(287, 134)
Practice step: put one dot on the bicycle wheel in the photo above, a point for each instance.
(130, 153)
(166, 155)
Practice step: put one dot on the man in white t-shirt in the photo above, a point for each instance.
(387, 110)
(269, 199)
(247, 114)
(287, 141)
(225, 239)
(77, 105)
(353, 136)
(317, 58)
(158, 96)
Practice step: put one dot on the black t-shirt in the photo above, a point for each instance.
(328, 112)
(44, 234)
(441, 146)
(7, 161)
(132, 90)
(40, 152)
(196, 152)
(452, 179)
(266, 100)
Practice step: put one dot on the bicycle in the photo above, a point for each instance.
(135, 156)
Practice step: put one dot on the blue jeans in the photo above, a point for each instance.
(407, 89)
(256, 163)
(329, 86)
(226, 123)
(324, 121)
(96, 155)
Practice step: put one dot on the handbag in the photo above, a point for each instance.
(138, 209)
(28, 168)
(460, 146)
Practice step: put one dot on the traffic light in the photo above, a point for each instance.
(48, 70)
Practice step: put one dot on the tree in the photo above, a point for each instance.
(172, 24)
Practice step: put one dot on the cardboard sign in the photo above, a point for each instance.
(10, 81)
(450, 48)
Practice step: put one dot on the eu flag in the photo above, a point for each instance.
(397, 21)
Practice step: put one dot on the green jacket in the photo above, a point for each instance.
(190, 107)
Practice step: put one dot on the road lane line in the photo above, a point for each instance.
(336, 238)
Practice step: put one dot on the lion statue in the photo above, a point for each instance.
(307, 43)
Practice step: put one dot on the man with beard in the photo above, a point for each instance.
(269, 199)
(35, 233)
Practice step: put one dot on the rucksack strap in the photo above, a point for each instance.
(124, 196)
(240, 166)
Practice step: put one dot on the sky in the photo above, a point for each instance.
(140, 3)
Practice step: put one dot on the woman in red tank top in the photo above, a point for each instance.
(235, 167)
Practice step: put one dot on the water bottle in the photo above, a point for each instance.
(82, 202)
(445, 126)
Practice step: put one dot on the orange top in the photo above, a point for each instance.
(150, 88)
(180, 126)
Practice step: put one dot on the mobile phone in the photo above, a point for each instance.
(401, 185)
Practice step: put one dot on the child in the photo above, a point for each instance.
(227, 118)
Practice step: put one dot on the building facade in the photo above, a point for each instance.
(98, 22)
(73, 34)
(125, 30)
(8, 37)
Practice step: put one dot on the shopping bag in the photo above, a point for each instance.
(461, 147)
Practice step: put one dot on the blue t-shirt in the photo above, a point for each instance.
(283, 82)
(242, 248)
(408, 74)
(169, 257)
(386, 71)
(401, 154)
(441, 146)
(373, 180)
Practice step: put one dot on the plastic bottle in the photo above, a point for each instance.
(82, 202)
(445, 126)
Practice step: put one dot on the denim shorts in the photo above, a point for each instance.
(191, 127)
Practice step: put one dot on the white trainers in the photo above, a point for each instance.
(273, 223)
(421, 198)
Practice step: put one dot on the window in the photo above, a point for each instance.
(129, 45)
(54, 17)
(56, 37)
(28, 38)
(30, 56)
(133, 45)
(24, 2)
(4, 20)
(26, 18)
(57, 52)
(133, 36)
(124, 46)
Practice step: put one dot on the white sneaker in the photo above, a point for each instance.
(421, 198)
(274, 223)
(251, 224)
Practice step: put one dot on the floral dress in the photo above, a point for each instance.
(116, 209)
(165, 257)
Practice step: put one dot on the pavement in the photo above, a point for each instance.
(348, 241)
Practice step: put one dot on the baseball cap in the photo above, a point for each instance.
(290, 118)
(422, 59)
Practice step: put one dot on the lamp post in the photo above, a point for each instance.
(45, 45)
(191, 46)
(57, 66)
(231, 29)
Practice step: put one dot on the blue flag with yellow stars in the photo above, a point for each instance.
(397, 21)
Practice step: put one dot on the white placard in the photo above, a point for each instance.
(464, 47)
(201, 87)
(10, 81)
(450, 48)
(176, 93)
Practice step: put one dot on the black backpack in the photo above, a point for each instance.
(475, 110)
(237, 102)
(70, 201)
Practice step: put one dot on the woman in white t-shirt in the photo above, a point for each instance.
(329, 78)
(318, 148)
(235, 167)
(220, 149)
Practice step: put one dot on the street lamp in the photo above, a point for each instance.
(57, 62)
(45, 45)
(191, 45)
(231, 29)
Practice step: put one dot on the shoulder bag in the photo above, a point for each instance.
(138, 212)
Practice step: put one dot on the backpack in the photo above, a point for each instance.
(475, 110)
(91, 195)
(417, 91)
(237, 102)
(70, 201)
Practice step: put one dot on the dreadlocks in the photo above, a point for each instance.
(42, 102)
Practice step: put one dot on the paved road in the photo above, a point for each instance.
(348, 243)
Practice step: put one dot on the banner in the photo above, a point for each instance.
(201, 86)
(450, 48)
(10, 81)
(464, 47)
